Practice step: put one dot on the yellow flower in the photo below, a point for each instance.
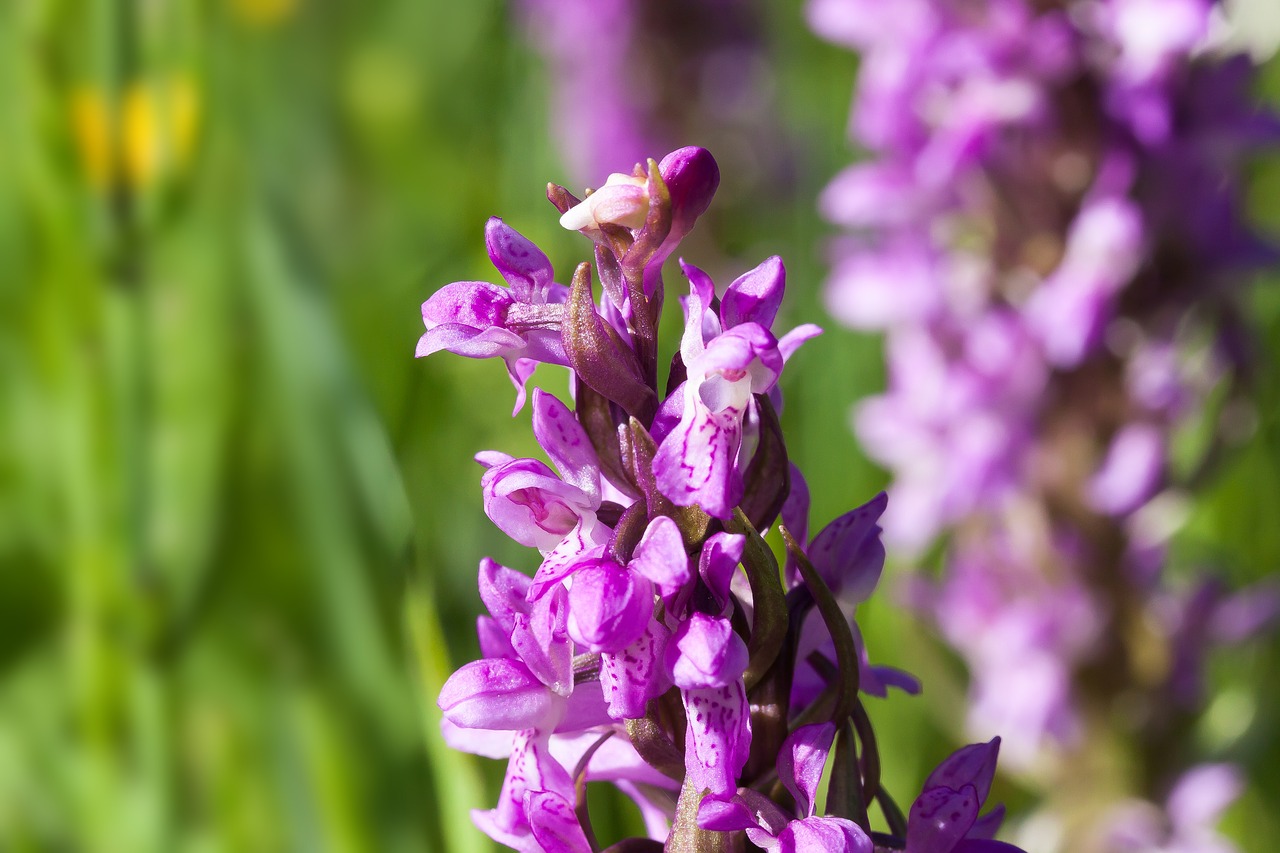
(149, 136)
(263, 13)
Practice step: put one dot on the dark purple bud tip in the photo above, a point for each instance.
(691, 176)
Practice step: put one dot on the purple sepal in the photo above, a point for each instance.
(755, 296)
(522, 264)
(567, 444)
(848, 552)
(555, 823)
(718, 563)
(660, 556)
(497, 694)
(939, 818)
(800, 762)
(974, 765)
(988, 825)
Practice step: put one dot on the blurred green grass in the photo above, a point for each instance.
(239, 523)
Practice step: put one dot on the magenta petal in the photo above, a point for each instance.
(566, 442)
(718, 737)
(503, 592)
(888, 676)
(800, 762)
(721, 814)
(700, 324)
(660, 556)
(496, 694)
(988, 825)
(530, 768)
(634, 675)
(974, 765)
(939, 818)
(468, 341)
(791, 341)
(754, 297)
(529, 503)
(540, 640)
(848, 552)
(555, 823)
(718, 563)
(691, 176)
(696, 465)
(828, 834)
(522, 264)
(477, 304)
(706, 653)
(609, 606)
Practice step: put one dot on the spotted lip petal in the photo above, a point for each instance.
(718, 738)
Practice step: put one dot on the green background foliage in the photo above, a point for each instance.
(239, 523)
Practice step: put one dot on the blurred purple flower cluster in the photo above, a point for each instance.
(1049, 233)
(659, 646)
(629, 77)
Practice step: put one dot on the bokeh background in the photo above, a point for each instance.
(239, 523)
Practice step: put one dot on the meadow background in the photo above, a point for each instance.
(239, 523)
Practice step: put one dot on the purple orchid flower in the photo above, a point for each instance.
(728, 359)
(706, 660)
(944, 818)
(657, 644)
(519, 323)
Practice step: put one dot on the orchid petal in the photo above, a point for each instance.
(521, 264)
(755, 296)
(800, 762)
(567, 444)
(974, 765)
(496, 694)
